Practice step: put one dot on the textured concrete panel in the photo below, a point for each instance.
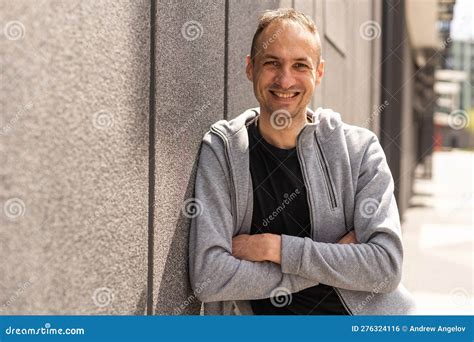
(73, 156)
(362, 33)
(376, 70)
(335, 80)
(352, 61)
(287, 3)
(189, 97)
(243, 17)
(336, 27)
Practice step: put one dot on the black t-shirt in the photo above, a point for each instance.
(281, 207)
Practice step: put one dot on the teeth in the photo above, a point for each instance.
(283, 95)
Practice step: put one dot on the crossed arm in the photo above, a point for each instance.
(267, 247)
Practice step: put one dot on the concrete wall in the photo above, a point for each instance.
(73, 157)
(102, 108)
(189, 98)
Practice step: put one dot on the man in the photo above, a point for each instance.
(297, 211)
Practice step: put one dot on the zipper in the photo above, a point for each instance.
(234, 191)
(305, 180)
(325, 169)
(308, 193)
(343, 301)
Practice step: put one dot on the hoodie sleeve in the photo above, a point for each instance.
(215, 274)
(374, 264)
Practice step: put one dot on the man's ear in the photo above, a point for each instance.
(320, 72)
(249, 68)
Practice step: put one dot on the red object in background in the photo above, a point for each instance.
(438, 138)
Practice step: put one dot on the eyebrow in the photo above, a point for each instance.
(300, 59)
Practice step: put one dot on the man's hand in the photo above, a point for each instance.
(252, 247)
(258, 247)
(348, 238)
(267, 247)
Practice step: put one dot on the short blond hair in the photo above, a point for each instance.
(281, 14)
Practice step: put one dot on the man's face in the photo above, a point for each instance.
(285, 71)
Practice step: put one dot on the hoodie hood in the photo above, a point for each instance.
(236, 141)
(324, 122)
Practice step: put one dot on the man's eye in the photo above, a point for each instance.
(301, 66)
(271, 63)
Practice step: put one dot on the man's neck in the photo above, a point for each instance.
(284, 137)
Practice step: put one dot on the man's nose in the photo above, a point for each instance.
(285, 78)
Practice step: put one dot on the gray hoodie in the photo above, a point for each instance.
(349, 186)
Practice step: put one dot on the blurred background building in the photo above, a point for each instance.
(103, 105)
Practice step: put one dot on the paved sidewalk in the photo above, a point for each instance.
(438, 235)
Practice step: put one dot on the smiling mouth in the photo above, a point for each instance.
(283, 95)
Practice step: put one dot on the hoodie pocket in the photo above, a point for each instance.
(331, 193)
